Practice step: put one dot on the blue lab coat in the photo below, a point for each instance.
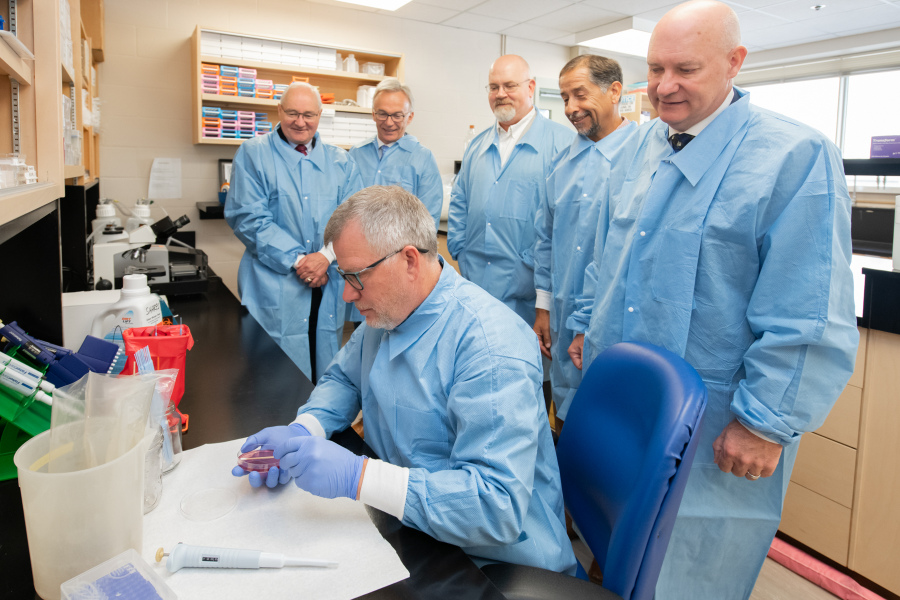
(454, 394)
(566, 228)
(490, 230)
(406, 163)
(278, 205)
(733, 253)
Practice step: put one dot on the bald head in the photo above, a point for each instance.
(694, 55)
(511, 89)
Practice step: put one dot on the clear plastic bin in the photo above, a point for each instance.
(124, 576)
(373, 68)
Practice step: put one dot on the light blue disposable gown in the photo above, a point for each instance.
(454, 394)
(566, 229)
(733, 253)
(490, 230)
(406, 163)
(278, 205)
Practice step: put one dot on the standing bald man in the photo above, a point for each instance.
(726, 239)
(500, 186)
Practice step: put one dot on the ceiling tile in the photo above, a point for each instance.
(458, 5)
(783, 35)
(422, 12)
(801, 10)
(633, 7)
(533, 32)
(345, 5)
(577, 17)
(739, 5)
(657, 13)
(751, 20)
(468, 20)
(873, 18)
(518, 10)
(566, 40)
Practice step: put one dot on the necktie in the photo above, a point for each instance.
(301, 148)
(382, 150)
(680, 140)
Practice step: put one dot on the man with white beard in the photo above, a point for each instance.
(501, 185)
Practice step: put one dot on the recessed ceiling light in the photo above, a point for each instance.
(629, 36)
(382, 4)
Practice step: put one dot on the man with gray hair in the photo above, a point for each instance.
(500, 185)
(566, 224)
(393, 157)
(284, 187)
(449, 384)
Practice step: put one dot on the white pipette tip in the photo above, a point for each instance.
(183, 556)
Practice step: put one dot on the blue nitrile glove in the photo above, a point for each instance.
(273, 436)
(321, 467)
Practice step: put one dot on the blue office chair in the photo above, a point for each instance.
(625, 454)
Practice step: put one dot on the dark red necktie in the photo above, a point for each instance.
(301, 148)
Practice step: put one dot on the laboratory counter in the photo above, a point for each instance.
(238, 381)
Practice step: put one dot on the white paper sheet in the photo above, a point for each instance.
(286, 520)
(165, 179)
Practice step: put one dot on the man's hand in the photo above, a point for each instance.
(575, 350)
(270, 436)
(744, 454)
(321, 467)
(312, 270)
(542, 329)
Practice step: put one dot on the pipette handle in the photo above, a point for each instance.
(183, 555)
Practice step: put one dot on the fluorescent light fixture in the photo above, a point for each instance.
(382, 4)
(629, 36)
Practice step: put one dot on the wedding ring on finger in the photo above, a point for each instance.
(308, 279)
(752, 476)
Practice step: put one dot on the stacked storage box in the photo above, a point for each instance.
(234, 124)
(345, 129)
(273, 51)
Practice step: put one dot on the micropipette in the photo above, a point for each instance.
(183, 555)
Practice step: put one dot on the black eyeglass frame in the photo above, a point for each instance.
(353, 278)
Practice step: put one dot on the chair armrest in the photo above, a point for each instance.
(517, 582)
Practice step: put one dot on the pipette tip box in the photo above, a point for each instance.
(124, 576)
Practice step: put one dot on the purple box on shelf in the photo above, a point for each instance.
(885, 146)
(209, 89)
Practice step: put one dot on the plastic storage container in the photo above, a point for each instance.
(350, 64)
(124, 576)
(373, 68)
(140, 215)
(365, 95)
(75, 520)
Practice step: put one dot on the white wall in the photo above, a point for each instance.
(146, 97)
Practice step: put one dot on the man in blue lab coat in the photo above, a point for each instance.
(501, 183)
(726, 239)
(284, 187)
(567, 219)
(449, 384)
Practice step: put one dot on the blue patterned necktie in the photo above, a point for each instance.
(680, 140)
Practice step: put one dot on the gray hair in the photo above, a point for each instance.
(391, 219)
(602, 71)
(392, 84)
(302, 85)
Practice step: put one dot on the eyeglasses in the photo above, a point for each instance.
(293, 115)
(353, 278)
(396, 117)
(493, 88)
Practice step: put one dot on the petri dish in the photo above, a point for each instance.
(260, 459)
(208, 504)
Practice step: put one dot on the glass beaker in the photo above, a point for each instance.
(153, 472)
(172, 455)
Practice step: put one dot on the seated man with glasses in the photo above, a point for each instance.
(500, 187)
(449, 383)
(394, 158)
(284, 187)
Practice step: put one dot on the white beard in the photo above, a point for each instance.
(505, 112)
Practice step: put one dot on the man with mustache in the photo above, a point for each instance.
(567, 220)
(500, 186)
(284, 187)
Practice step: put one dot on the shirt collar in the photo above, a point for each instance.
(695, 129)
(518, 130)
(312, 143)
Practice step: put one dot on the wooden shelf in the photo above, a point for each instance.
(21, 200)
(293, 69)
(235, 142)
(70, 171)
(13, 65)
(67, 76)
(242, 102)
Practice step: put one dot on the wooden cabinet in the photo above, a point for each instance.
(843, 497)
(81, 87)
(340, 83)
(636, 107)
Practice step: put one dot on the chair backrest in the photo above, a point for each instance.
(625, 454)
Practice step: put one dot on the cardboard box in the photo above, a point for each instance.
(885, 146)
